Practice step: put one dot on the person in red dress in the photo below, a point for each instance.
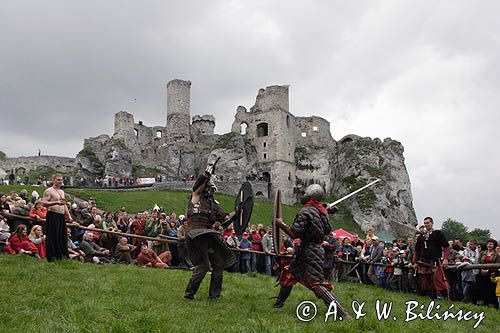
(20, 242)
(39, 213)
(37, 237)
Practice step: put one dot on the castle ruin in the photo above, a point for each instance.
(267, 144)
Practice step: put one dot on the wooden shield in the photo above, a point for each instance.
(244, 200)
(277, 232)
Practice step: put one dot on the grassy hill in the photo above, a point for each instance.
(68, 296)
(134, 201)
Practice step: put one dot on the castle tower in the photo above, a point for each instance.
(124, 128)
(271, 127)
(205, 124)
(178, 110)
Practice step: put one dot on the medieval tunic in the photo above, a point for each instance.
(22, 244)
(205, 246)
(201, 217)
(311, 226)
(429, 250)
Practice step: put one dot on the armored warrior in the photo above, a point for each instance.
(203, 241)
(311, 226)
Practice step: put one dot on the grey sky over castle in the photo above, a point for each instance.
(425, 73)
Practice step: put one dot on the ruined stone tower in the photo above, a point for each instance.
(178, 110)
(271, 127)
(205, 124)
(124, 128)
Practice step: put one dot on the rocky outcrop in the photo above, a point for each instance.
(386, 205)
(238, 157)
(314, 166)
(118, 161)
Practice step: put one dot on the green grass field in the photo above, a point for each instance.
(69, 296)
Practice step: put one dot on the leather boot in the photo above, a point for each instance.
(215, 285)
(282, 296)
(195, 281)
(328, 297)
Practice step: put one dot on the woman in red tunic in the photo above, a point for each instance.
(20, 242)
(38, 212)
(38, 238)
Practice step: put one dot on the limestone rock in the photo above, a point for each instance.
(118, 162)
(388, 204)
(238, 157)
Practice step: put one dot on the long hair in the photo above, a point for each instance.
(19, 231)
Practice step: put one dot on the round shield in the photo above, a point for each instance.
(244, 200)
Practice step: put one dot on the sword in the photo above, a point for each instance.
(351, 194)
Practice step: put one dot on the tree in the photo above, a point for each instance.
(454, 229)
(2, 155)
(480, 235)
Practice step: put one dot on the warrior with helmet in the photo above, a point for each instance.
(203, 240)
(311, 225)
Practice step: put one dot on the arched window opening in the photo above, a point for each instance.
(243, 128)
(136, 133)
(159, 134)
(266, 177)
(262, 130)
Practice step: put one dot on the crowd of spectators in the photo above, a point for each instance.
(254, 249)
(82, 181)
(395, 271)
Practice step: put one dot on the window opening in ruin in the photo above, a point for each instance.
(287, 121)
(136, 132)
(243, 128)
(290, 176)
(265, 155)
(264, 144)
(304, 134)
(158, 134)
(315, 129)
(266, 177)
(262, 130)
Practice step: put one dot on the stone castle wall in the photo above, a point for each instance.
(24, 164)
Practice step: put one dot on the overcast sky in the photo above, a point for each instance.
(424, 73)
